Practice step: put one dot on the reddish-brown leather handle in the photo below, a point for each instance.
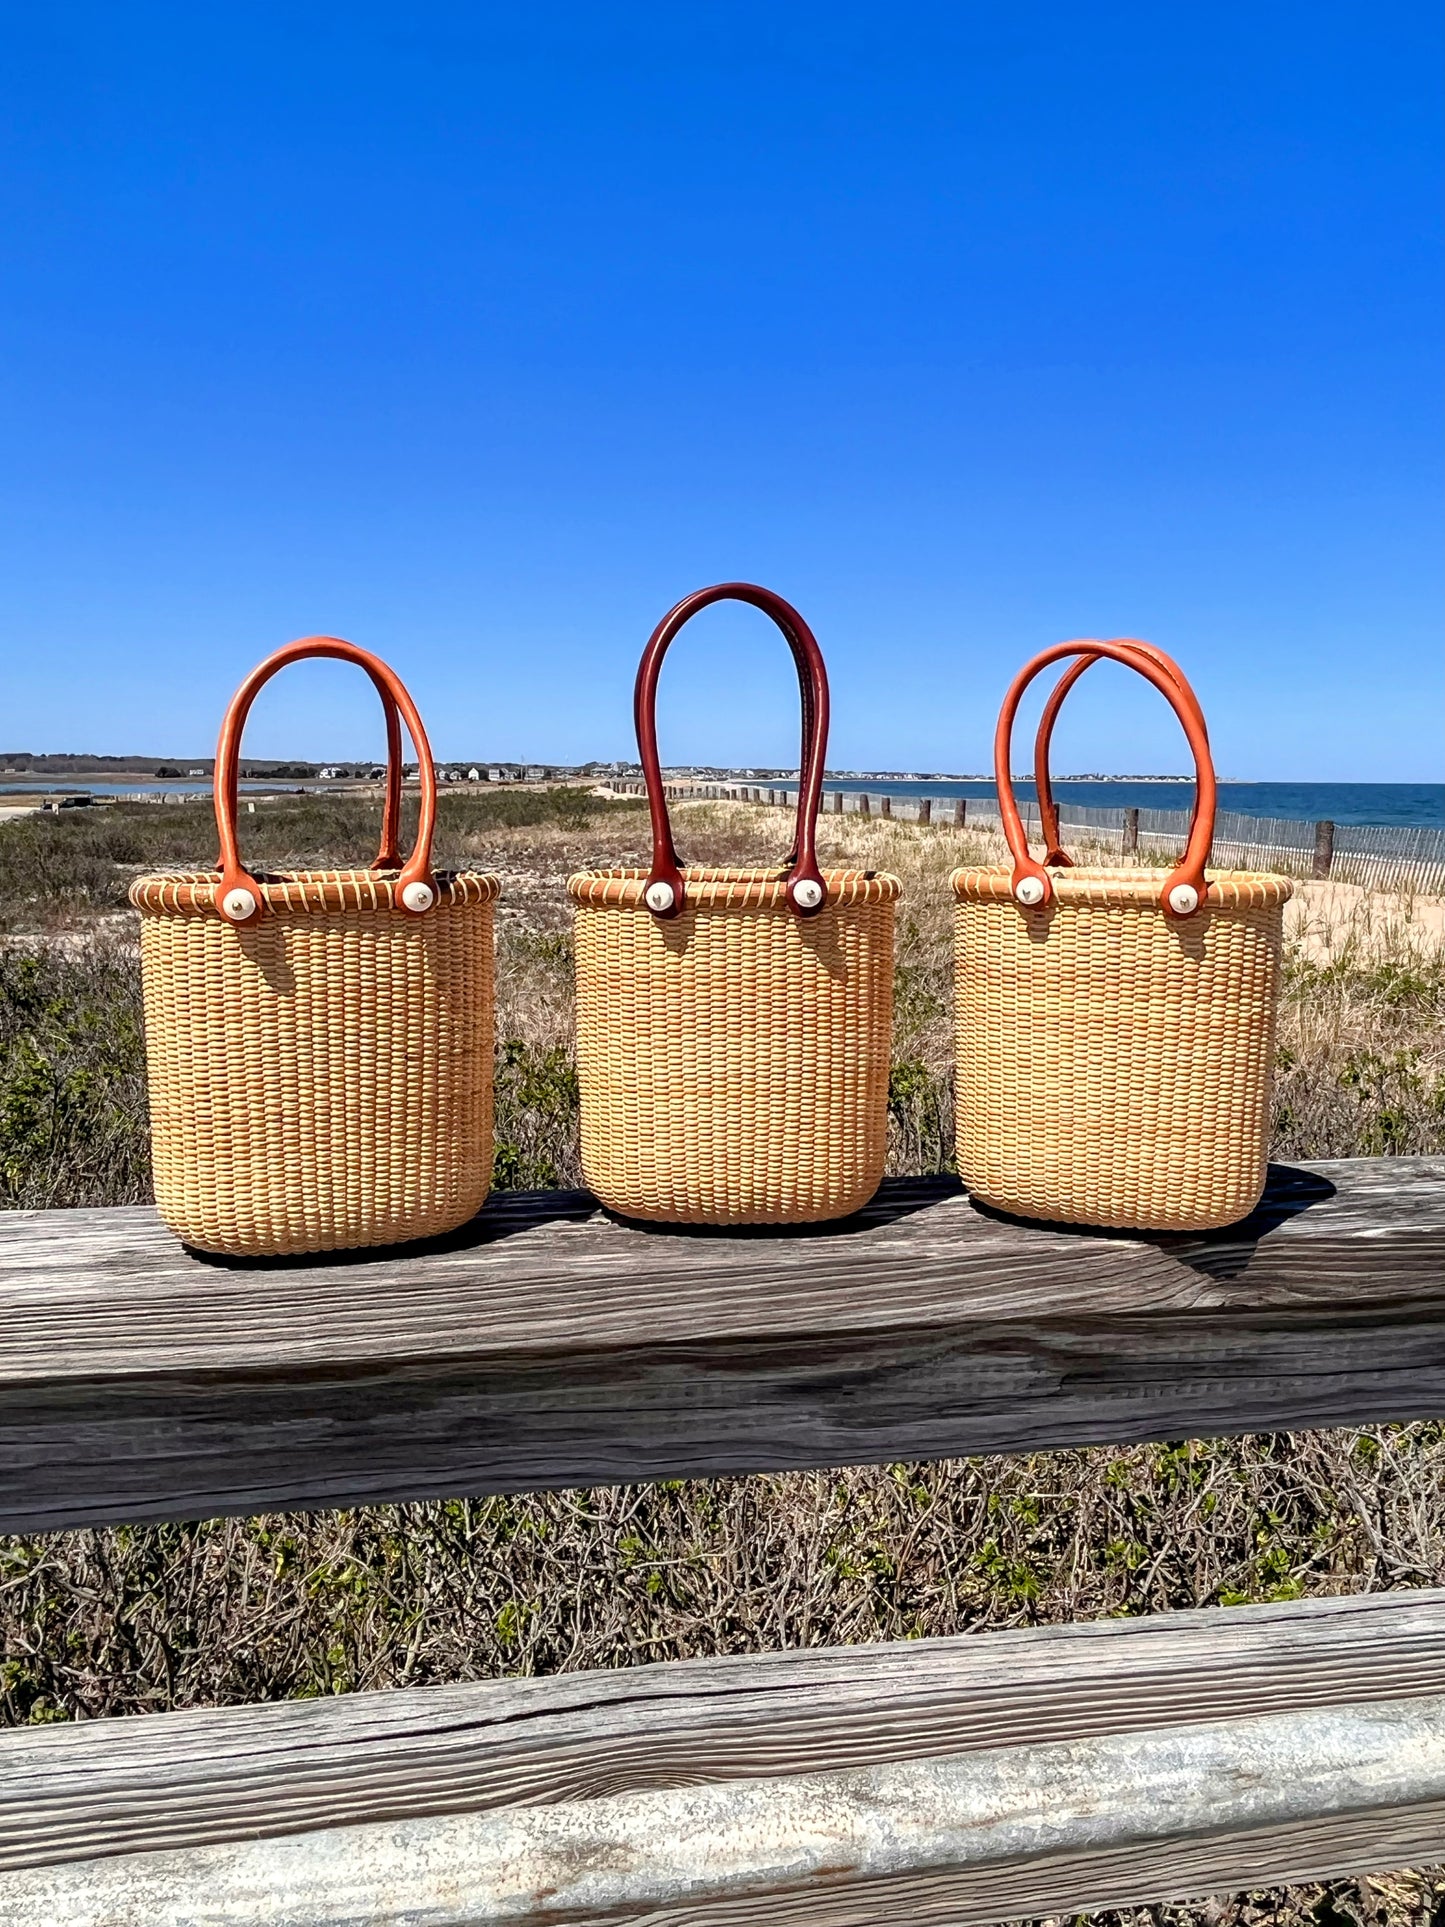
(1054, 854)
(239, 898)
(807, 893)
(1185, 885)
(388, 854)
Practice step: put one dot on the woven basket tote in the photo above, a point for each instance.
(319, 1042)
(733, 1026)
(1115, 1027)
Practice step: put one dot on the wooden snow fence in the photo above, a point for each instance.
(946, 1780)
(1378, 856)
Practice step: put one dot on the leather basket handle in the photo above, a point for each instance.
(388, 853)
(239, 898)
(1185, 885)
(1055, 857)
(807, 893)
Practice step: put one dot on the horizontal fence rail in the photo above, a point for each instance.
(548, 1344)
(1376, 855)
(955, 1780)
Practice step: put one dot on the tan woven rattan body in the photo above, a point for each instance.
(1113, 1064)
(321, 1079)
(733, 1062)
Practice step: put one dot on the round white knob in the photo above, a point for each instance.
(660, 897)
(418, 896)
(238, 905)
(807, 893)
(1029, 891)
(1184, 899)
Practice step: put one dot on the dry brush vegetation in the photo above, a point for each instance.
(135, 1620)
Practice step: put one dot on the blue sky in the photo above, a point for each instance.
(481, 334)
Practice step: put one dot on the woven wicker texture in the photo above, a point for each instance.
(1113, 1064)
(733, 1062)
(321, 1079)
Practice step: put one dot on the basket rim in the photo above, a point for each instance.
(718, 887)
(306, 891)
(1104, 885)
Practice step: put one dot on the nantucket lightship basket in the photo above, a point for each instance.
(733, 1026)
(1115, 1027)
(319, 1042)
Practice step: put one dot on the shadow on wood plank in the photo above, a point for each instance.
(1221, 1254)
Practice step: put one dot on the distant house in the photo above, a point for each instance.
(474, 776)
(536, 773)
(328, 773)
(195, 772)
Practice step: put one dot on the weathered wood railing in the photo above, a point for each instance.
(949, 1780)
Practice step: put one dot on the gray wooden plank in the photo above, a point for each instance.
(547, 1272)
(730, 1850)
(551, 1345)
(184, 1780)
(1135, 1874)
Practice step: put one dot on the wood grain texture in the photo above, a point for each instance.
(549, 1345)
(1138, 1874)
(183, 1780)
(139, 1894)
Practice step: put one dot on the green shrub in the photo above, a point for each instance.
(73, 1126)
(920, 1118)
(536, 1117)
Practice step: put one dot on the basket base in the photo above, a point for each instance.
(419, 1228)
(1077, 1215)
(758, 1217)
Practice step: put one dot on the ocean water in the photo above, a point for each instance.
(1404, 805)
